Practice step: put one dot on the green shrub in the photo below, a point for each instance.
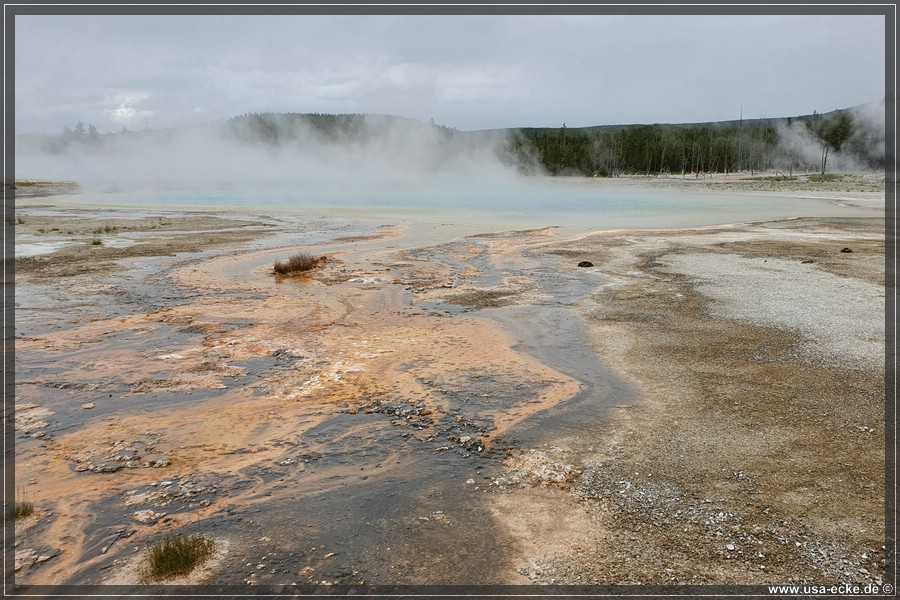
(177, 555)
(297, 264)
(96, 242)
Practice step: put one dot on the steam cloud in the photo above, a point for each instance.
(796, 141)
(367, 156)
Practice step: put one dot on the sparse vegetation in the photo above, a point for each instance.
(96, 242)
(175, 556)
(20, 221)
(818, 177)
(297, 264)
(23, 508)
(106, 229)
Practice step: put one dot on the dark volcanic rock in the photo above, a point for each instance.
(846, 250)
(585, 263)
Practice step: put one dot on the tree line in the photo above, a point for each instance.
(782, 146)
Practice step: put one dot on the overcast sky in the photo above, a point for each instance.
(466, 72)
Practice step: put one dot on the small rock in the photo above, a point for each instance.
(147, 517)
(470, 481)
(585, 263)
(807, 262)
(88, 405)
(107, 468)
(24, 558)
(729, 546)
(845, 250)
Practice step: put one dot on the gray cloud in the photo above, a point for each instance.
(468, 72)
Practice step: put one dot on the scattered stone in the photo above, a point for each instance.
(585, 263)
(88, 405)
(470, 481)
(807, 262)
(540, 468)
(729, 547)
(845, 250)
(107, 468)
(29, 557)
(29, 418)
(147, 516)
(25, 558)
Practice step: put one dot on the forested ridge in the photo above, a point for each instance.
(847, 139)
(803, 143)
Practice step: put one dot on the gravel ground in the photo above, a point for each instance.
(845, 326)
(755, 451)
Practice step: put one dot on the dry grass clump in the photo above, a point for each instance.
(298, 263)
(175, 556)
(24, 509)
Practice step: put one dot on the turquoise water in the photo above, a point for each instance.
(581, 203)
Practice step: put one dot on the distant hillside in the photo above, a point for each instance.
(847, 139)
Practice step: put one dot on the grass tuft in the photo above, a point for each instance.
(819, 178)
(96, 242)
(297, 264)
(177, 555)
(24, 509)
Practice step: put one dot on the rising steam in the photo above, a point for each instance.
(349, 154)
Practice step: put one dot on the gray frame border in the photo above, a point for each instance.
(665, 7)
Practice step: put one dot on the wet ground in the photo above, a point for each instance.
(343, 427)
(429, 397)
